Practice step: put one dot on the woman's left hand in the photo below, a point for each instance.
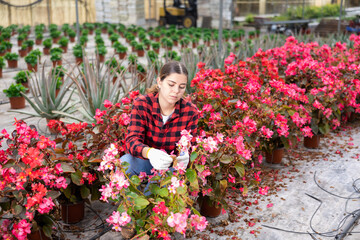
(185, 158)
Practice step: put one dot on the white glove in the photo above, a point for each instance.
(159, 160)
(184, 158)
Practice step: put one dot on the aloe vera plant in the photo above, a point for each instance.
(45, 102)
(94, 85)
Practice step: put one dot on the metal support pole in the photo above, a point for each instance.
(77, 22)
(339, 22)
(220, 25)
(48, 11)
(303, 10)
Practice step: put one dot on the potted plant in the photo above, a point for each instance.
(83, 40)
(22, 77)
(47, 46)
(37, 53)
(139, 47)
(113, 38)
(30, 44)
(156, 47)
(147, 43)
(120, 49)
(2, 65)
(20, 39)
(17, 101)
(184, 42)
(72, 35)
(32, 62)
(78, 53)
(56, 55)
(33, 213)
(101, 51)
(23, 50)
(63, 42)
(12, 59)
(3, 49)
(59, 71)
(55, 35)
(99, 40)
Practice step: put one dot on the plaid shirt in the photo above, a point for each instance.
(146, 127)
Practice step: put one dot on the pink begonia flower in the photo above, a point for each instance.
(46, 205)
(107, 104)
(21, 229)
(231, 178)
(307, 131)
(269, 205)
(118, 220)
(119, 179)
(199, 222)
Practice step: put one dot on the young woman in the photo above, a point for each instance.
(157, 120)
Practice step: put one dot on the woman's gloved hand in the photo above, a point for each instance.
(159, 160)
(184, 158)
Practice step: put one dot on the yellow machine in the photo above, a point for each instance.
(180, 13)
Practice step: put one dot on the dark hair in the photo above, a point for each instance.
(168, 69)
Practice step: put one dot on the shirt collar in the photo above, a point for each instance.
(156, 106)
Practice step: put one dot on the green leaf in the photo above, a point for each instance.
(223, 185)
(200, 168)
(67, 192)
(76, 178)
(132, 194)
(141, 202)
(195, 211)
(154, 188)
(53, 194)
(67, 168)
(17, 209)
(164, 192)
(84, 191)
(240, 169)
(140, 222)
(47, 230)
(191, 175)
(181, 190)
(193, 156)
(324, 128)
(136, 180)
(226, 159)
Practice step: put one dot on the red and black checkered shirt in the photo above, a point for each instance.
(146, 127)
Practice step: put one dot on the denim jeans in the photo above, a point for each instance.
(137, 165)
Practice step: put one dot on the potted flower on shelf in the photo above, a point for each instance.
(120, 49)
(12, 59)
(101, 52)
(29, 163)
(2, 65)
(56, 55)
(63, 42)
(83, 40)
(22, 77)
(47, 46)
(17, 100)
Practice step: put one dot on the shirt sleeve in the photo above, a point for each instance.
(193, 125)
(136, 131)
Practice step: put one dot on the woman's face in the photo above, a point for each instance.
(172, 88)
